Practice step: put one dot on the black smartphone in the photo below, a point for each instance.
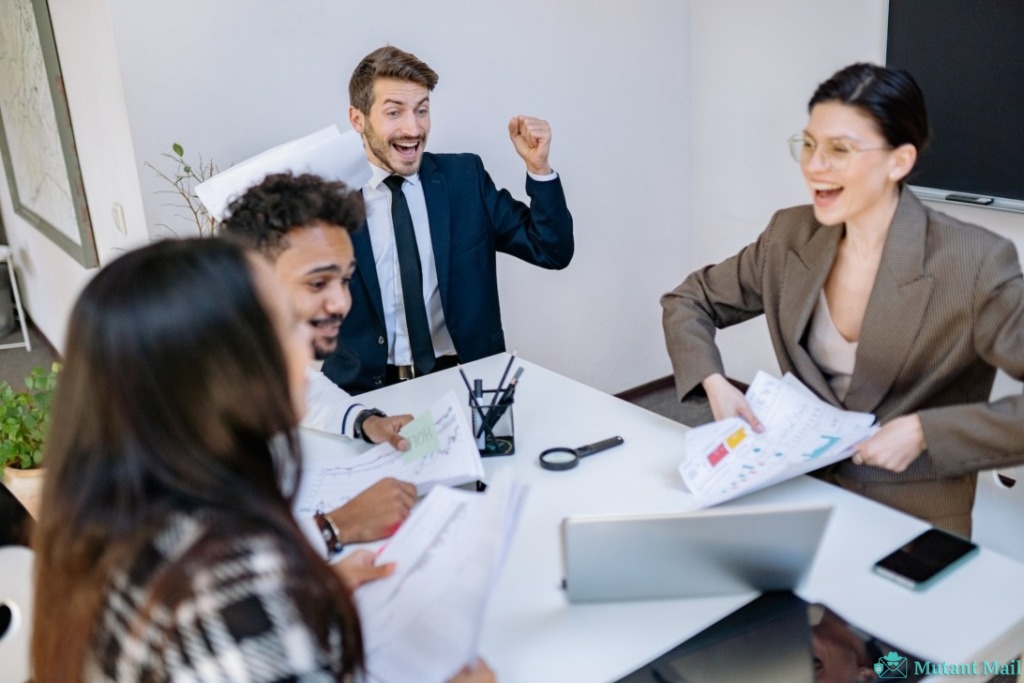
(925, 559)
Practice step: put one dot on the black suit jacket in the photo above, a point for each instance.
(470, 221)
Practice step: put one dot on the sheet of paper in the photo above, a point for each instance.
(443, 452)
(727, 459)
(327, 152)
(423, 621)
(422, 436)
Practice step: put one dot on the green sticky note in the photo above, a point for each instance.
(422, 436)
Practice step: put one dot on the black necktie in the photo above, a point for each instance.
(412, 278)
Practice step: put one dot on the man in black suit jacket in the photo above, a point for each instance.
(459, 220)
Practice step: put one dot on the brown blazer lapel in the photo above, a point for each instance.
(806, 270)
(895, 309)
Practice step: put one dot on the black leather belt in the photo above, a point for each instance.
(401, 373)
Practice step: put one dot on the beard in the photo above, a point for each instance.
(384, 152)
(323, 350)
(323, 347)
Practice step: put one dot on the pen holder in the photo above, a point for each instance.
(499, 437)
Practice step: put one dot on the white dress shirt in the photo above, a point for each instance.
(385, 258)
(329, 408)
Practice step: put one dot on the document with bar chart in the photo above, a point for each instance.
(727, 459)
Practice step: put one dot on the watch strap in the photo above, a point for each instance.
(357, 426)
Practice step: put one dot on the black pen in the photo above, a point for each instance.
(478, 393)
(504, 402)
(472, 399)
(501, 382)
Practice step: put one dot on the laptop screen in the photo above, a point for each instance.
(779, 638)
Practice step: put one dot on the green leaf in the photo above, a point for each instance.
(178, 149)
(25, 418)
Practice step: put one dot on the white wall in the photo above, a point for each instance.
(669, 121)
(234, 77)
(50, 279)
(755, 65)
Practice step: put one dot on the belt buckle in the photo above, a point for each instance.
(406, 372)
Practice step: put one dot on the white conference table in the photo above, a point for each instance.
(531, 632)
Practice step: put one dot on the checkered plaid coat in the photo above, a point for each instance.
(237, 616)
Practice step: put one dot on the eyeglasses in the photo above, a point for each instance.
(835, 153)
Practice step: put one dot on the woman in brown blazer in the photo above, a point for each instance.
(875, 302)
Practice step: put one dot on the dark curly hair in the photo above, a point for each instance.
(262, 217)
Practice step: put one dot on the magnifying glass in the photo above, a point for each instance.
(558, 459)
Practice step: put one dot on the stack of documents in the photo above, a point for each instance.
(327, 153)
(727, 459)
(423, 622)
(442, 451)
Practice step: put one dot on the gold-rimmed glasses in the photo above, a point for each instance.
(835, 152)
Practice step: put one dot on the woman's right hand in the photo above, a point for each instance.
(478, 673)
(728, 401)
(361, 567)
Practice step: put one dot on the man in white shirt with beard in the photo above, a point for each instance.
(302, 224)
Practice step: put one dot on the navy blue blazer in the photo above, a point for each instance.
(470, 221)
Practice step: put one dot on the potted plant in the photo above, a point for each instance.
(183, 181)
(24, 422)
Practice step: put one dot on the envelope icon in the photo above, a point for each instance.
(891, 666)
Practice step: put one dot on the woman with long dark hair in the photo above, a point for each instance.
(875, 302)
(166, 548)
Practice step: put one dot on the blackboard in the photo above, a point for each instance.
(968, 58)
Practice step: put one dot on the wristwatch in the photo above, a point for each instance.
(357, 426)
(329, 532)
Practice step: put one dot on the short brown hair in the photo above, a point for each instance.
(386, 62)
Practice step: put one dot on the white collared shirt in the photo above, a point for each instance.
(329, 408)
(385, 258)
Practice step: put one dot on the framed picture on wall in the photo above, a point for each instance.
(36, 139)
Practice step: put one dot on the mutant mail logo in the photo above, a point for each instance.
(891, 665)
(894, 666)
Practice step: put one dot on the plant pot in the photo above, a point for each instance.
(26, 485)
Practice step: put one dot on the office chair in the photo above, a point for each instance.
(7, 256)
(15, 613)
(999, 511)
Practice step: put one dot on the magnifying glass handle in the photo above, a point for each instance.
(591, 448)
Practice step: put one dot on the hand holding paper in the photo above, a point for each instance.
(895, 446)
(727, 459)
(388, 429)
(423, 622)
(442, 451)
(374, 513)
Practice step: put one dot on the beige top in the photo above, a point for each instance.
(830, 349)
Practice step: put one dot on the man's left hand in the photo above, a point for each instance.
(532, 139)
(380, 429)
(894, 446)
